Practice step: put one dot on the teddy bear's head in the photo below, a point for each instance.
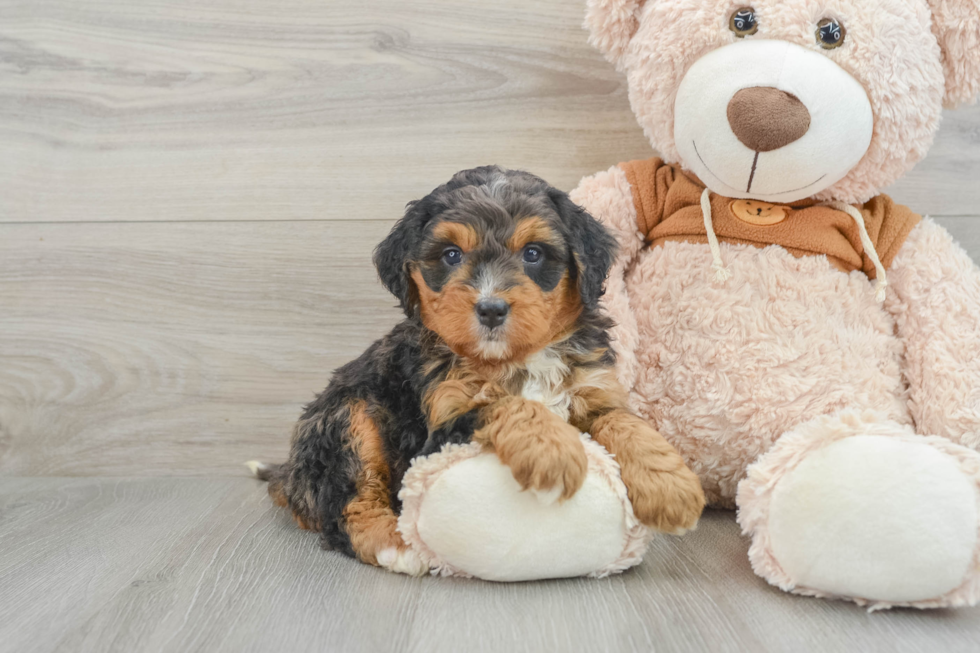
(779, 100)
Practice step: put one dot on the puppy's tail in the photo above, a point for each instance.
(262, 471)
(274, 476)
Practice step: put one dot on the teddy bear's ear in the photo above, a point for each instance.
(956, 23)
(612, 23)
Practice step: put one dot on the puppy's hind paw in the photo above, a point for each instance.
(402, 561)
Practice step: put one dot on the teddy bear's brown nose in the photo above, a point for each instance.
(765, 118)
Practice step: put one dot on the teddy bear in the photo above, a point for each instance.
(810, 347)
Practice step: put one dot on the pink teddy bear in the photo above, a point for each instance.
(811, 348)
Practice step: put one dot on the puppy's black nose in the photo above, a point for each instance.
(492, 312)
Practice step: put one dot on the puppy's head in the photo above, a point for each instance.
(496, 262)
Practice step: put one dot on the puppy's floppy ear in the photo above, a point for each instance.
(611, 25)
(956, 24)
(592, 247)
(392, 257)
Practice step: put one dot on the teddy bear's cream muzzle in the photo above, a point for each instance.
(770, 120)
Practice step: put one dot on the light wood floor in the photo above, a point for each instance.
(189, 194)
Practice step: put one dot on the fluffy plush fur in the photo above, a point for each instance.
(499, 276)
(934, 303)
(752, 358)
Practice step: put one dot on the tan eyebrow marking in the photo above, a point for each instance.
(529, 230)
(462, 235)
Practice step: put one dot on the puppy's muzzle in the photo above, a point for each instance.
(492, 312)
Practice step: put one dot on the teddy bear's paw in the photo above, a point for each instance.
(883, 518)
(402, 560)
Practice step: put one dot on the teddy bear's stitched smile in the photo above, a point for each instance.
(751, 175)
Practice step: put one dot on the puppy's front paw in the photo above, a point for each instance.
(549, 497)
(551, 464)
(544, 453)
(665, 494)
(669, 501)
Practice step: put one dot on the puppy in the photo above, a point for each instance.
(499, 276)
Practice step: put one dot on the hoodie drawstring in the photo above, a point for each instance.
(722, 273)
(881, 278)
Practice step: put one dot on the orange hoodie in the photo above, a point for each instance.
(668, 208)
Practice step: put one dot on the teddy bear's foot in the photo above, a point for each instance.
(858, 507)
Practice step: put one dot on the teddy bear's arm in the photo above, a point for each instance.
(607, 196)
(935, 300)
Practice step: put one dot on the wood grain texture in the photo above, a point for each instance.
(117, 110)
(258, 110)
(209, 565)
(174, 349)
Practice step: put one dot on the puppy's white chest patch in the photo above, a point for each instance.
(546, 373)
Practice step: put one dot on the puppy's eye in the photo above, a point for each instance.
(830, 33)
(533, 254)
(452, 256)
(743, 22)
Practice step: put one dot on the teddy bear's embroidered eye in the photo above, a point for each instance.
(743, 22)
(830, 33)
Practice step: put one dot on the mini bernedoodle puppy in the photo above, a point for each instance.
(499, 276)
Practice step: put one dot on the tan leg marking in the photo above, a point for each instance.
(371, 523)
(665, 494)
(543, 451)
